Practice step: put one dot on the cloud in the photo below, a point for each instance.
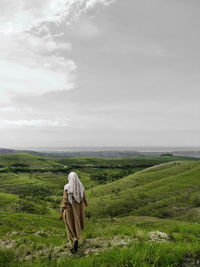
(17, 78)
(8, 109)
(33, 123)
(32, 65)
(21, 15)
(92, 3)
(34, 62)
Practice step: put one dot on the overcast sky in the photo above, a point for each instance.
(99, 73)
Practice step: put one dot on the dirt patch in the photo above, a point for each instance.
(157, 236)
(6, 244)
(190, 262)
(97, 245)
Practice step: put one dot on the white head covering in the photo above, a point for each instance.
(74, 188)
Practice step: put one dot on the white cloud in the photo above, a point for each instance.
(45, 44)
(14, 109)
(32, 66)
(92, 3)
(21, 15)
(17, 78)
(31, 59)
(28, 48)
(8, 109)
(33, 123)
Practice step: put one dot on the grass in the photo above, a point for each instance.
(26, 160)
(184, 242)
(132, 202)
(164, 191)
(7, 200)
(125, 162)
(141, 255)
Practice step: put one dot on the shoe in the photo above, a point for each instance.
(76, 245)
(73, 251)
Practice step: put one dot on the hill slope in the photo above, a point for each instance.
(31, 234)
(167, 190)
(24, 159)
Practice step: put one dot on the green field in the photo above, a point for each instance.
(142, 211)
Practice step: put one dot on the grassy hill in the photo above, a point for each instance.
(30, 240)
(167, 190)
(26, 160)
(125, 162)
(142, 212)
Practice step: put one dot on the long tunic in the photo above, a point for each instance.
(73, 216)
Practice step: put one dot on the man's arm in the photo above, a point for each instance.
(84, 199)
(64, 204)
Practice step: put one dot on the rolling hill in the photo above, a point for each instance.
(131, 201)
(167, 190)
(26, 160)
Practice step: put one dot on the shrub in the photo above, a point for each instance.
(24, 205)
(32, 190)
(196, 200)
(19, 165)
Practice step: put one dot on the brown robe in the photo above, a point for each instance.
(73, 216)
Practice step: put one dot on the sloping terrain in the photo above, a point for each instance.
(167, 190)
(35, 182)
(31, 240)
(25, 160)
(138, 217)
(141, 161)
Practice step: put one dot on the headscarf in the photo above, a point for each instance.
(74, 187)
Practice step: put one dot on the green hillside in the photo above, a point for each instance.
(25, 160)
(167, 190)
(125, 162)
(29, 160)
(138, 214)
